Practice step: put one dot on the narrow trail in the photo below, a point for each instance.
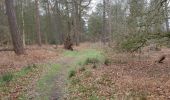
(55, 88)
(52, 82)
(59, 91)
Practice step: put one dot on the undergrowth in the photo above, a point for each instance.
(85, 57)
(11, 81)
(9, 76)
(84, 60)
(72, 73)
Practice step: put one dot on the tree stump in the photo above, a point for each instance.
(68, 44)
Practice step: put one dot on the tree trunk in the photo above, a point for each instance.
(110, 21)
(49, 27)
(166, 16)
(15, 33)
(37, 19)
(57, 24)
(104, 22)
(68, 42)
(23, 24)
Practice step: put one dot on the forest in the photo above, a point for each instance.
(84, 49)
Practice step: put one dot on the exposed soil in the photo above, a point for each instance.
(59, 91)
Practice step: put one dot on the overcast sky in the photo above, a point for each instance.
(93, 5)
(92, 8)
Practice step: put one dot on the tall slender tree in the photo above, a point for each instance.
(15, 33)
(166, 16)
(23, 22)
(104, 22)
(37, 21)
(109, 9)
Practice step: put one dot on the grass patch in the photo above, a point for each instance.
(9, 76)
(25, 71)
(94, 97)
(71, 73)
(6, 77)
(86, 56)
(91, 61)
(84, 59)
(10, 80)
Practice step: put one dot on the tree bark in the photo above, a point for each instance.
(49, 22)
(15, 33)
(68, 41)
(110, 21)
(166, 16)
(58, 25)
(37, 19)
(104, 22)
(23, 23)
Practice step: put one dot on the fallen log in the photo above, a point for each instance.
(161, 59)
(6, 49)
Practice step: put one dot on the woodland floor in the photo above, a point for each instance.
(127, 77)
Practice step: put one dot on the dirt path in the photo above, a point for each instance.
(48, 77)
(55, 87)
(59, 91)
